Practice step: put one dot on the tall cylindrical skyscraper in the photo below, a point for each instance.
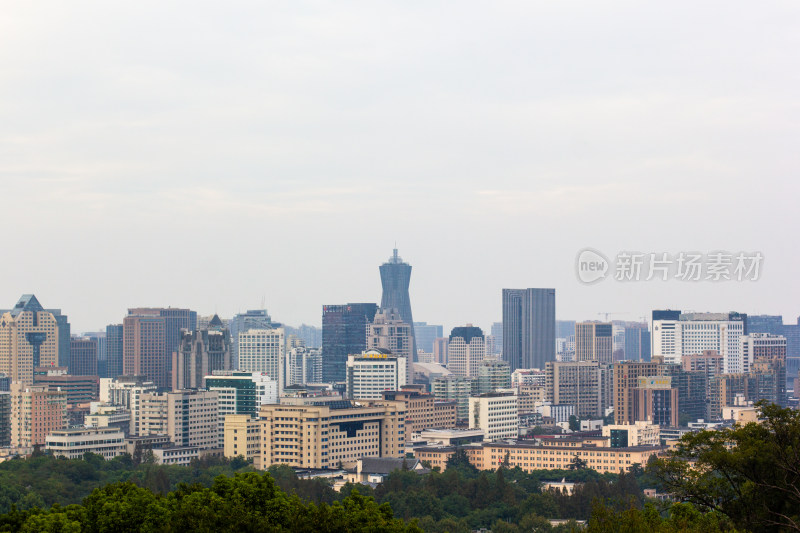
(395, 278)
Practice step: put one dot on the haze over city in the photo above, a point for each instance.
(216, 157)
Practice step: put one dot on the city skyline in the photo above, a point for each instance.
(524, 133)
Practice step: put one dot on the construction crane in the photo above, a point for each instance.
(607, 313)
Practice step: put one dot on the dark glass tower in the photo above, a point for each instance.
(344, 332)
(529, 327)
(113, 366)
(395, 278)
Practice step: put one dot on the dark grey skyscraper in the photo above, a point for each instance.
(395, 278)
(529, 327)
(344, 332)
(113, 351)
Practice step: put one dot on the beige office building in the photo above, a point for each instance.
(27, 332)
(242, 436)
(334, 433)
(594, 341)
(73, 443)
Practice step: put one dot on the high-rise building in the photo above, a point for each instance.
(655, 400)
(466, 349)
(252, 319)
(144, 348)
(373, 372)
(200, 353)
(344, 332)
(691, 333)
(390, 332)
(30, 337)
(126, 392)
(493, 374)
(529, 327)
(83, 356)
(426, 334)
(577, 383)
(263, 351)
(637, 342)
(626, 380)
(792, 334)
(593, 341)
(102, 352)
(395, 279)
(114, 351)
(497, 333)
(35, 412)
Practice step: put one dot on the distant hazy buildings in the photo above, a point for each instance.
(395, 279)
(150, 335)
(426, 334)
(529, 317)
(497, 335)
(454, 388)
(493, 374)
(593, 341)
(466, 349)
(637, 342)
(200, 353)
(83, 356)
(344, 332)
(565, 328)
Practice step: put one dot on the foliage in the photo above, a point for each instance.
(749, 473)
(681, 517)
(43, 480)
(245, 502)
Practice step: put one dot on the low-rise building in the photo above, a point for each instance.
(452, 437)
(176, 455)
(422, 409)
(641, 433)
(330, 434)
(73, 443)
(496, 414)
(553, 454)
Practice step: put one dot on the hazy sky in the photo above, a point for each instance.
(210, 154)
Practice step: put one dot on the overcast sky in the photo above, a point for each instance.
(211, 155)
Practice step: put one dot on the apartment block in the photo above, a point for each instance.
(454, 388)
(36, 411)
